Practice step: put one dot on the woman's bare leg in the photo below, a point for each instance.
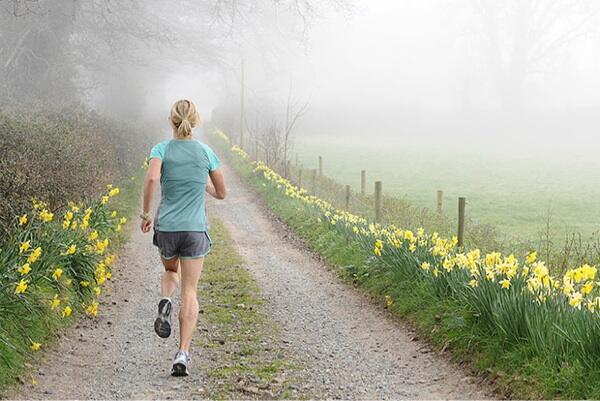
(170, 278)
(191, 269)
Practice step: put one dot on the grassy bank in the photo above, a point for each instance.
(54, 265)
(241, 351)
(533, 334)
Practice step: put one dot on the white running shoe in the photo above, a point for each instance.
(181, 363)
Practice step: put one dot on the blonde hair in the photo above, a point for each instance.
(184, 117)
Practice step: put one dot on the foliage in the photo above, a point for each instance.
(60, 155)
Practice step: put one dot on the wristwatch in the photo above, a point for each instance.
(145, 216)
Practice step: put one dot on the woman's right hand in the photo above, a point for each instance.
(146, 225)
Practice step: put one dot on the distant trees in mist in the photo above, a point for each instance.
(53, 51)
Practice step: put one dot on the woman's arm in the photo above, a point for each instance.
(150, 182)
(217, 189)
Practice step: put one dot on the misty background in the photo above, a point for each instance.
(495, 100)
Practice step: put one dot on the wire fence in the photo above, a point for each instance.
(448, 217)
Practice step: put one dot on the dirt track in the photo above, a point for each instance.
(349, 348)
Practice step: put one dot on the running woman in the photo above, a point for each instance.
(183, 166)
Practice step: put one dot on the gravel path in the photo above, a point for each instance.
(350, 348)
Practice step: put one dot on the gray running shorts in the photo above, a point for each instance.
(185, 244)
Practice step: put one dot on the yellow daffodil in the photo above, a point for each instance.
(21, 287)
(67, 311)
(23, 220)
(93, 235)
(109, 260)
(46, 216)
(70, 250)
(57, 273)
(26, 268)
(55, 302)
(35, 255)
(24, 247)
(505, 283)
(92, 309)
(575, 300)
(35, 346)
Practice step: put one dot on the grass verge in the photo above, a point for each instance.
(517, 369)
(244, 356)
(61, 287)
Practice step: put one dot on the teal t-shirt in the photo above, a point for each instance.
(183, 176)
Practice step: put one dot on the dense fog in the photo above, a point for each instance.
(450, 68)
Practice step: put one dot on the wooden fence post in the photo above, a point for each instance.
(347, 197)
(300, 177)
(440, 200)
(363, 183)
(378, 201)
(461, 220)
(256, 150)
(320, 166)
(314, 181)
(288, 169)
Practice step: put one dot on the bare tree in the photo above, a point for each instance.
(293, 112)
(519, 37)
(44, 44)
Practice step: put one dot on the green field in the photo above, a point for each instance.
(515, 190)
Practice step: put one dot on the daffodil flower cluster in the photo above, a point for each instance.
(240, 152)
(62, 262)
(222, 135)
(438, 256)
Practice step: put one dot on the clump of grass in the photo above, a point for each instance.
(235, 332)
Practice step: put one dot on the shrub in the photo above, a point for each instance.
(60, 155)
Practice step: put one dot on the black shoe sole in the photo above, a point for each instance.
(162, 327)
(179, 369)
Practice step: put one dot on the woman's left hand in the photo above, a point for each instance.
(146, 225)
